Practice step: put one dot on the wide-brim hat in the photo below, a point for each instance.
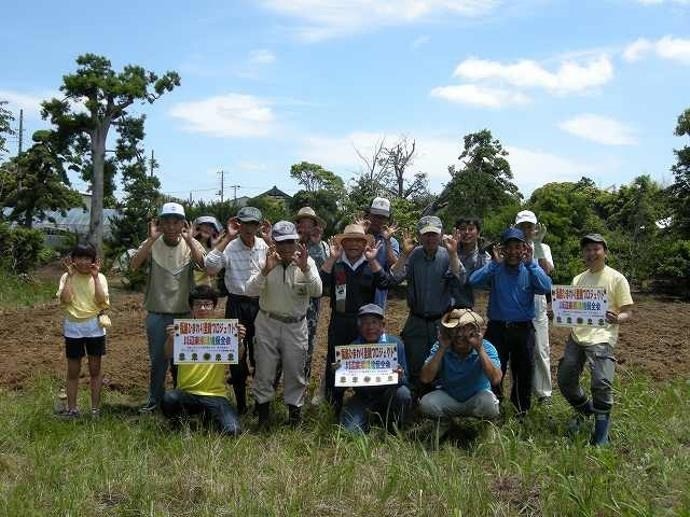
(354, 231)
(460, 317)
(308, 213)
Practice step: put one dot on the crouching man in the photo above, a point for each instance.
(466, 366)
(390, 403)
(201, 388)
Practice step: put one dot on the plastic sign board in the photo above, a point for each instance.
(579, 306)
(370, 364)
(205, 342)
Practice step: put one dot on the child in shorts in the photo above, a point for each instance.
(83, 294)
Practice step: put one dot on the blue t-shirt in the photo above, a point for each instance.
(464, 378)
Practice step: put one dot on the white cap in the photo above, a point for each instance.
(380, 206)
(526, 216)
(172, 209)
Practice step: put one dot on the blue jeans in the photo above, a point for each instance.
(157, 336)
(390, 403)
(177, 404)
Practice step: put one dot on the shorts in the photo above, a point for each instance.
(76, 348)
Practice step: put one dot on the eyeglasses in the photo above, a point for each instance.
(204, 305)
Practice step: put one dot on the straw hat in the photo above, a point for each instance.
(307, 212)
(354, 231)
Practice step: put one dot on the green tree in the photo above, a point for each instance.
(36, 181)
(6, 130)
(106, 95)
(483, 184)
(681, 170)
(314, 177)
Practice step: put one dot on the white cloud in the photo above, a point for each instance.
(570, 77)
(231, 115)
(477, 95)
(261, 56)
(603, 130)
(668, 47)
(419, 42)
(29, 102)
(332, 18)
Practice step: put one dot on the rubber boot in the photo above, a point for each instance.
(240, 397)
(263, 411)
(294, 415)
(602, 421)
(584, 411)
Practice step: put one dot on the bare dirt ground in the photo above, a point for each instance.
(656, 343)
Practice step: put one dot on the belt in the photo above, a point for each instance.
(243, 298)
(284, 319)
(514, 324)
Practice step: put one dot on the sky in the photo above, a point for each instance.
(570, 88)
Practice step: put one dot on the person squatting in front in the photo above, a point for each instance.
(201, 388)
(171, 254)
(513, 278)
(466, 366)
(284, 286)
(351, 276)
(389, 404)
(595, 345)
(240, 252)
(83, 295)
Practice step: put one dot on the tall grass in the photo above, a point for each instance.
(124, 464)
(19, 291)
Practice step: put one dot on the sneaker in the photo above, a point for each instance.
(150, 407)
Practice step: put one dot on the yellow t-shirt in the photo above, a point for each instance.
(618, 291)
(83, 304)
(203, 379)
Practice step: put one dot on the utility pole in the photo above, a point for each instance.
(234, 189)
(222, 178)
(21, 132)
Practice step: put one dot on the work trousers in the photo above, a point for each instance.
(419, 335)
(440, 404)
(156, 334)
(602, 365)
(514, 342)
(541, 383)
(390, 404)
(312, 322)
(178, 404)
(277, 342)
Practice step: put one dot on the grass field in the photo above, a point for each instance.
(124, 464)
(18, 292)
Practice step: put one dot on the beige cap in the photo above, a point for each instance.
(460, 318)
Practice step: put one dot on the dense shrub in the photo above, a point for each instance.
(20, 248)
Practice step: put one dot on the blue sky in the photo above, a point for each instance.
(571, 88)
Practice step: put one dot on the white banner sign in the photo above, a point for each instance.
(371, 364)
(579, 306)
(205, 341)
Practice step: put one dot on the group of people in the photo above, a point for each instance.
(450, 361)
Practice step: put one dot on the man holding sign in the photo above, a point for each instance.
(201, 387)
(387, 395)
(594, 344)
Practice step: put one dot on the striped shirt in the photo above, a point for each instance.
(239, 261)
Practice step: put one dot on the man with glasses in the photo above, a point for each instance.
(465, 365)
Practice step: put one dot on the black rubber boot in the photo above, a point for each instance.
(294, 415)
(263, 411)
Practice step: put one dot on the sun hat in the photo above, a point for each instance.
(354, 231)
(307, 212)
(460, 318)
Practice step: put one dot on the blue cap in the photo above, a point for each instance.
(370, 309)
(512, 234)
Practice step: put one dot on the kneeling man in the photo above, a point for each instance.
(466, 366)
(201, 388)
(391, 403)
